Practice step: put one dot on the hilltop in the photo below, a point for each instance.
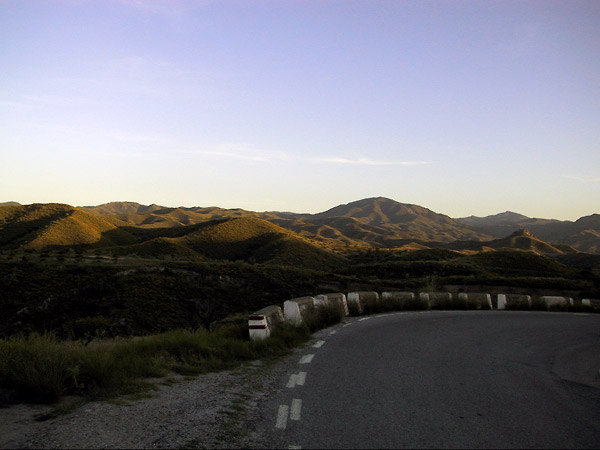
(382, 222)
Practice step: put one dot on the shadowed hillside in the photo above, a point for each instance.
(519, 240)
(41, 226)
(256, 240)
(377, 222)
(582, 235)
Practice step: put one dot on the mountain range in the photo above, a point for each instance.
(283, 237)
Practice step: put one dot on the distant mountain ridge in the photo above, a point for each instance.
(376, 222)
(53, 225)
(582, 235)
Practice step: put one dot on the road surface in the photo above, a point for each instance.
(443, 380)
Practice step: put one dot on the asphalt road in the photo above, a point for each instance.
(443, 380)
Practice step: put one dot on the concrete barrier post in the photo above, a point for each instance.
(440, 300)
(514, 301)
(424, 299)
(591, 303)
(334, 298)
(295, 309)
(354, 304)
(474, 300)
(367, 300)
(262, 322)
(399, 301)
(501, 302)
(555, 302)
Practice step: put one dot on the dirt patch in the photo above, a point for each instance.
(210, 411)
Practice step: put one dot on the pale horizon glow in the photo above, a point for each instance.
(463, 107)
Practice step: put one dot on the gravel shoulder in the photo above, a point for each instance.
(214, 410)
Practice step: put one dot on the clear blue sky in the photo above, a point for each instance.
(464, 107)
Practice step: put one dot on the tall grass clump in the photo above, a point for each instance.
(37, 367)
(40, 368)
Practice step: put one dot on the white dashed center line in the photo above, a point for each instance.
(364, 318)
(301, 378)
(296, 379)
(282, 417)
(295, 409)
(331, 333)
(318, 344)
(293, 380)
(306, 359)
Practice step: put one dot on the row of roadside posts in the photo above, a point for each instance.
(294, 311)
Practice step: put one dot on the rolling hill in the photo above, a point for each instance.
(40, 226)
(582, 235)
(519, 240)
(53, 226)
(369, 223)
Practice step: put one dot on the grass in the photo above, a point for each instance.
(42, 368)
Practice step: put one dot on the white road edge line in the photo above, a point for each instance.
(282, 417)
(318, 344)
(295, 409)
(301, 378)
(306, 359)
(293, 380)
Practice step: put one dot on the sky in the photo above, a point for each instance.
(463, 107)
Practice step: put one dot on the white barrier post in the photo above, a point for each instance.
(335, 298)
(362, 297)
(501, 302)
(293, 309)
(475, 300)
(354, 299)
(514, 301)
(552, 301)
(440, 300)
(424, 297)
(263, 321)
(402, 300)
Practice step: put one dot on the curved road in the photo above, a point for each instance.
(444, 380)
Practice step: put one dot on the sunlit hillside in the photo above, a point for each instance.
(41, 226)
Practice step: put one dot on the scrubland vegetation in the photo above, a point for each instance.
(92, 304)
